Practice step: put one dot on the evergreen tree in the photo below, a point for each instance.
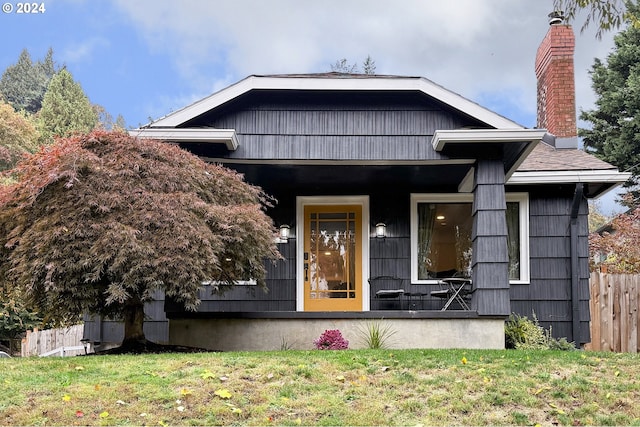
(369, 65)
(343, 66)
(24, 84)
(614, 135)
(65, 109)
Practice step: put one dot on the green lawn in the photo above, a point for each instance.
(352, 387)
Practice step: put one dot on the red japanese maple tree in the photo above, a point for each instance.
(98, 222)
(616, 248)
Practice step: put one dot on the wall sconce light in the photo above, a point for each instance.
(381, 230)
(284, 233)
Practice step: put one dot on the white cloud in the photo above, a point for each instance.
(82, 52)
(478, 48)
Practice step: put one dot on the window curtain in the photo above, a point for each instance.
(463, 251)
(513, 239)
(426, 220)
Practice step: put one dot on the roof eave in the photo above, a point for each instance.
(443, 138)
(605, 176)
(603, 181)
(228, 137)
(336, 84)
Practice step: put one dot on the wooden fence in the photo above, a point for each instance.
(54, 342)
(614, 312)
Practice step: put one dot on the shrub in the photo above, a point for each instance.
(331, 339)
(525, 334)
(522, 333)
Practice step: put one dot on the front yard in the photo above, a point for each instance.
(350, 387)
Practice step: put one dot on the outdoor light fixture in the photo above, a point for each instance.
(381, 230)
(284, 233)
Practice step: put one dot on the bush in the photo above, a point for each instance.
(524, 334)
(331, 339)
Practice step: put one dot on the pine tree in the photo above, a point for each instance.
(614, 135)
(65, 109)
(343, 66)
(369, 65)
(24, 84)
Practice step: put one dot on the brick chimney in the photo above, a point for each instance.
(556, 83)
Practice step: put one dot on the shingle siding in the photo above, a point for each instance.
(549, 293)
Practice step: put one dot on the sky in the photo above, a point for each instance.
(146, 58)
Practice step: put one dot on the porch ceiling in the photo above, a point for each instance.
(347, 179)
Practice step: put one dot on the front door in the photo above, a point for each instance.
(332, 258)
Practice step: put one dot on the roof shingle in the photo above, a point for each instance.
(544, 157)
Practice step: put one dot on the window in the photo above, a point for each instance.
(441, 227)
(248, 282)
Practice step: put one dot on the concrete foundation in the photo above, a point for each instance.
(246, 334)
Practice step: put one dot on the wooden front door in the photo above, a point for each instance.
(332, 258)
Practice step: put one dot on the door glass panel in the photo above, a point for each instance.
(332, 256)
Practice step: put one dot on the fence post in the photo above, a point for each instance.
(633, 315)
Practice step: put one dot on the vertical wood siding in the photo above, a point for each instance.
(378, 127)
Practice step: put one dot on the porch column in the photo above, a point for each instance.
(490, 263)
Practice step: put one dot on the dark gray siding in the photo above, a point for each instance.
(156, 328)
(300, 125)
(549, 293)
(489, 240)
(304, 125)
(280, 295)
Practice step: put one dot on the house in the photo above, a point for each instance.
(387, 183)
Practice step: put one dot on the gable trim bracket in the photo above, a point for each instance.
(527, 139)
(443, 138)
(228, 137)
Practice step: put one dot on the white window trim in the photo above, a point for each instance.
(521, 198)
(301, 202)
(250, 282)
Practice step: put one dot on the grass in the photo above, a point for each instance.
(352, 387)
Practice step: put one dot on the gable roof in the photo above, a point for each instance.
(335, 82)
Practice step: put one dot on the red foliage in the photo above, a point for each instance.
(98, 222)
(618, 249)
